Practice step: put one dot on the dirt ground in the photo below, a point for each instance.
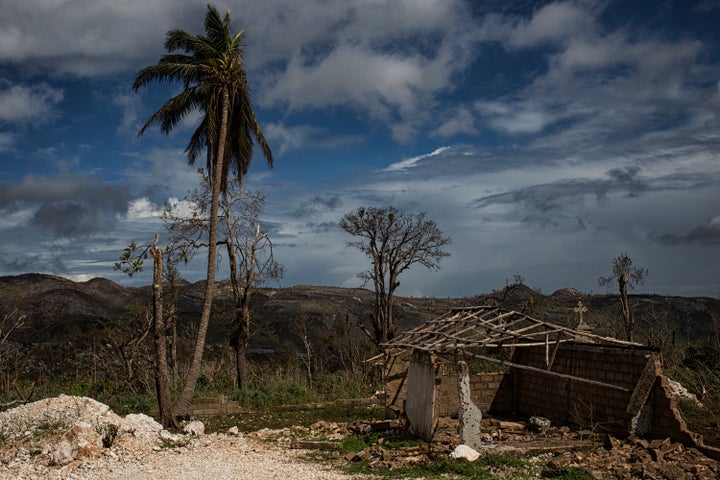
(79, 438)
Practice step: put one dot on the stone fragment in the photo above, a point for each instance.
(195, 428)
(612, 443)
(81, 441)
(170, 438)
(142, 422)
(463, 451)
(539, 424)
(313, 445)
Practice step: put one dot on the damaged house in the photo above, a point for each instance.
(485, 359)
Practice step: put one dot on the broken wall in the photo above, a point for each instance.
(491, 391)
(563, 400)
(635, 400)
(566, 401)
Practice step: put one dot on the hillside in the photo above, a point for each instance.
(67, 321)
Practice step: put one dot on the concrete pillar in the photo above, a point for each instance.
(420, 402)
(470, 414)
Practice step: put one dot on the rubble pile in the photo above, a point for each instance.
(80, 438)
(65, 431)
(557, 448)
(639, 458)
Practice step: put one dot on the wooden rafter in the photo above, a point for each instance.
(489, 327)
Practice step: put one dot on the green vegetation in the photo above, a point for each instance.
(570, 473)
(443, 467)
(276, 419)
(699, 372)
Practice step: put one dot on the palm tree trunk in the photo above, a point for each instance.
(183, 402)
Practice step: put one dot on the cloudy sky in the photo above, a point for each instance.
(544, 138)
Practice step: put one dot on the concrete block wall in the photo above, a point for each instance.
(577, 403)
(490, 391)
(484, 388)
(213, 407)
(528, 393)
(396, 383)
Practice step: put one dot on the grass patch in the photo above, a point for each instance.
(437, 468)
(253, 422)
(570, 473)
(504, 460)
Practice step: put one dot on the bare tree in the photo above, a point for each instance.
(248, 246)
(9, 323)
(127, 338)
(394, 241)
(626, 276)
(300, 326)
(131, 262)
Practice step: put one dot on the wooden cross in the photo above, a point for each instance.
(580, 309)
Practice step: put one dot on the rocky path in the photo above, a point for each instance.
(68, 437)
(78, 438)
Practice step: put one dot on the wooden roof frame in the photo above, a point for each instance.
(470, 330)
(467, 328)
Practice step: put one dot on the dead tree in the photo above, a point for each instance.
(131, 262)
(300, 326)
(127, 337)
(394, 241)
(626, 276)
(9, 323)
(248, 246)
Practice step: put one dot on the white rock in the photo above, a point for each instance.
(140, 421)
(81, 441)
(170, 437)
(234, 430)
(463, 451)
(679, 391)
(195, 428)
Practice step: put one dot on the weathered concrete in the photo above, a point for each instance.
(420, 402)
(639, 407)
(470, 414)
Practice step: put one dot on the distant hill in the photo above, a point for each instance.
(69, 314)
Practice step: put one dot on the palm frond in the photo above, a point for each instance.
(209, 65)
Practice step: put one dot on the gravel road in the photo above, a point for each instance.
(31, 437)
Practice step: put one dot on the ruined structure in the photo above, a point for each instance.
(485, 359)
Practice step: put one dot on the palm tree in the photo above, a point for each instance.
(212, 71)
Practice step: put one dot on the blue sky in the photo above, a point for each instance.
(544, 138)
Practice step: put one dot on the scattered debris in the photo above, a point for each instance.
(68, 434)
(538, 424)
(681, 392)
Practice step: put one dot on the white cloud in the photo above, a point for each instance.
(413, 161)
(129, 105)
(350, 75)
(288, 137)
(460, 121)
(515, 117)
(24, 104)
(89, 38)
(143, 208)
(552, 23)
